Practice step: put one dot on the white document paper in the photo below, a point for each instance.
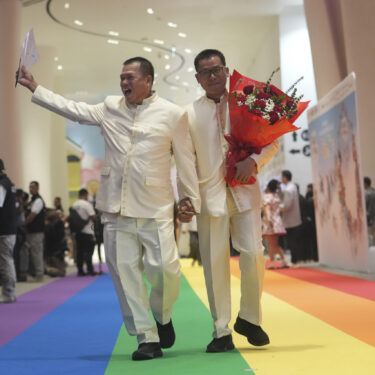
(29, 55)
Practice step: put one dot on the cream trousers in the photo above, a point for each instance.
(246, 232)
(135, 245)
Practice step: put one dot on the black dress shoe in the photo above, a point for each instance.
(147, 350)
(255, 334)
(220, 345)
(166, 333)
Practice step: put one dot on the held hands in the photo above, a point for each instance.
(245, 169)
(27, 79)
(185, 210)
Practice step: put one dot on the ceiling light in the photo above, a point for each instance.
(171, 24)
(150, 11)
(174, 88)
(177, 77)
(173, 49)
(56, 58)
(147, 49)
(155, 75)
(185, 84)
(190, 69)
(59, 67)
(78, 22)
(187, 50)
(113, 33)
(112, 41)
(66, 5)
(182, 35)
(167, 57)
(158, 41)
(167, 67)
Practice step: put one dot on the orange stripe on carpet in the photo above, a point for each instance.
(350, 314)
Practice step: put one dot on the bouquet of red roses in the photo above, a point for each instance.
(259, 114)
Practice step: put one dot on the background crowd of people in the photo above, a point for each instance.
(36, 240)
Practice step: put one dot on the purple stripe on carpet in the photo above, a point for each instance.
(38, 303)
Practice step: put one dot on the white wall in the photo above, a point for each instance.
(296, 61)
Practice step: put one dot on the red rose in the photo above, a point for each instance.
(273, 117)
(278, 109)
(263, 95)
(241, 98)
(247, 90)
(260, 103)
(290, 103)
(257, 112)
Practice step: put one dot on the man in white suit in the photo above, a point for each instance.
(226, 211)
(140, 130)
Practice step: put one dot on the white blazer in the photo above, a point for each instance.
(205, 117)
(135, 178)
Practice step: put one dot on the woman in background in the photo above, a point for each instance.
(272, 223)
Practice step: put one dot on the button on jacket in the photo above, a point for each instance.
(135, 178)
(209, 121)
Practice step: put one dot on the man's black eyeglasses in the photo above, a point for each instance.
(206, 73)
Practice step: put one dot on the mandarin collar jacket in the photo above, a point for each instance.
(139, 141)
(208, 122)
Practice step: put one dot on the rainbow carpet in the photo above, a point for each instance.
(318, 322)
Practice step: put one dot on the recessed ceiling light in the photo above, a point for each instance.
(182, 35)
(167, 67)
(147, 49)
(59, 67)
(113, 33)
(158, 41)
(190, 69)
(174, 88)
(112, 41)
(185, 84)
(177, 78)
(56, 58)
(171, 24)
(66, 5)
(167, 57)
(150, 11)
(155, 75)
(78, 22)
(187, 50)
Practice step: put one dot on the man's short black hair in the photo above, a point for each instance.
(36, 183)
(83, 192)
(206, 54)
(367, 181)
(145, 66)
(287, 174)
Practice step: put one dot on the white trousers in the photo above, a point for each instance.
(135, 245)
(246, 232)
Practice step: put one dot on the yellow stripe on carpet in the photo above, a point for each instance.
(300, 343)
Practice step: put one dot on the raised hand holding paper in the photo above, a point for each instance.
(29, 55)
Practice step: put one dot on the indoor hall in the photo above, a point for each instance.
(82, 45)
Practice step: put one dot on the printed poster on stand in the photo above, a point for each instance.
(338, 182)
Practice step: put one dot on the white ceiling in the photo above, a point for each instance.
(91, 64)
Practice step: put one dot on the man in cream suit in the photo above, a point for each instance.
(226, 211)
(140, 130)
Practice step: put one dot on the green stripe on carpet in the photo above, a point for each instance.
(193, 326)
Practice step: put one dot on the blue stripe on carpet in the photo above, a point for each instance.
(76, 338)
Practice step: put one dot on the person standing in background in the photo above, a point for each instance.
(34, 226)
(291, 215)
(85, 237)
(8, 230)
(370, 209)
(272, 223)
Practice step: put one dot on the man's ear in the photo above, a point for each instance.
(227, 71)
(197, 78)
